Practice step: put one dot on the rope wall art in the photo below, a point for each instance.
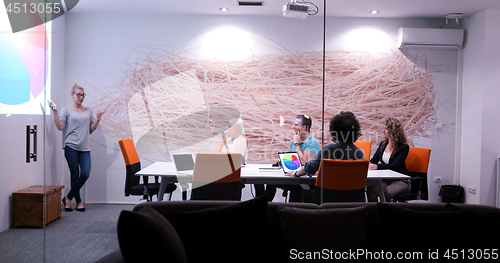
(168, 102)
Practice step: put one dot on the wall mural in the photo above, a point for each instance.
(169, 102)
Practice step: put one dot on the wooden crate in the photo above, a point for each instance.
(29, 202)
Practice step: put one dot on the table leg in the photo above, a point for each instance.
(184, 187)
(380, 190)
(163, 187)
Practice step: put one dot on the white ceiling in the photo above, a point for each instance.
(337, 8)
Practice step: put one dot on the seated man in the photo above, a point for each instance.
(304, 143)
(345, 130)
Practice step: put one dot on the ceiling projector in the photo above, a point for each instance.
(296, 10)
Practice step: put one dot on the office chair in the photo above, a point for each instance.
(343, 181)
(366, 146)
(216, 176)
(417, 163)
(133, 165)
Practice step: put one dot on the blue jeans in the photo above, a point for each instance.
(79, 168)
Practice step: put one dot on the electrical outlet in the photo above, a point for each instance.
(472, 190)
(438, 179)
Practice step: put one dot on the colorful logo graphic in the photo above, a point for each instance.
(291, 162)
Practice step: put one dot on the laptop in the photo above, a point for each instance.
(184, 163)
(290, 161)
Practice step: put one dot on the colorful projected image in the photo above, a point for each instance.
(23, 70)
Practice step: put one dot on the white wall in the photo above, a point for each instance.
(442, 142)
(97, 46)
(480, 108)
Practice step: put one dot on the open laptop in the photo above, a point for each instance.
(290, 161)
(184, 163)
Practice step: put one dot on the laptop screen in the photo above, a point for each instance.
(183, 162)
(290, 161)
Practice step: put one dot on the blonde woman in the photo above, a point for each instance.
(391, 154)
(235, 139)
(77, 123)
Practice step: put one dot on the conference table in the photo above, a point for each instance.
(259, 174)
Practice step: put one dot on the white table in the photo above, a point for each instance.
(254, 174)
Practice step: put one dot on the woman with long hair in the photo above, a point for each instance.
(391, 154)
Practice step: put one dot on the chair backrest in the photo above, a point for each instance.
(217, 167)
(417, 163)
(418, 159)
(216, 176)
(132, 164)
(366, 146)
(343, 181)
(129, 152)
(342, 174)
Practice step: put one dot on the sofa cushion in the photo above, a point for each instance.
(322, 231)
(232, 233)
(401, 228)
(143, 233)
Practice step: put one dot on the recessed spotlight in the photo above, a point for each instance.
(374, 12)
(223, 9)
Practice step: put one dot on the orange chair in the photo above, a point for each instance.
(366, 146)
(132, 166)
(216, 176)
(417, 163)
(343, 181)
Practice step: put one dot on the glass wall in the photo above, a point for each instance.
(178, 83)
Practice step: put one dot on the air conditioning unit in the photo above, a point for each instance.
(430, 38)
(296, 10)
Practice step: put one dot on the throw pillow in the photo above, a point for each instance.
(317, 233)
(232, 233)
(146, 235)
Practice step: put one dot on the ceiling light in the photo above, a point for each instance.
(374, 12)
(223, 9)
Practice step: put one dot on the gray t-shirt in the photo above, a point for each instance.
(77, 128)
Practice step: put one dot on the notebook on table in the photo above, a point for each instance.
(184, 163)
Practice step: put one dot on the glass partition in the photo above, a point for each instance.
(179, 84)
(25, 87)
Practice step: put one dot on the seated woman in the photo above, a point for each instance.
(391, 154)
(345, 130)
(235, 139)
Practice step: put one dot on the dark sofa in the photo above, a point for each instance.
(258, 231)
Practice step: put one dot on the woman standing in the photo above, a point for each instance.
(391, 154)
(77, 123)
